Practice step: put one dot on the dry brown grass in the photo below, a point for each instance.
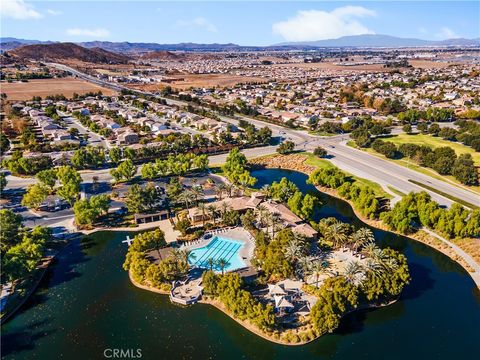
(45, 87)
(186, 81)
(470, 246)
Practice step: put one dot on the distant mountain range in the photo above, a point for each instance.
(356, 41)
(373, 40)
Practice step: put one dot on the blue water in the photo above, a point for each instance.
(218, 248)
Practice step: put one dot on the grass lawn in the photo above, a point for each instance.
(395, 191)
(321, 163)
(434, 142)
(411, 165)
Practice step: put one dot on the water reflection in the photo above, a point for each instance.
(87, 303)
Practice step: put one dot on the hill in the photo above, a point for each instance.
(67, 51)
(163, 55)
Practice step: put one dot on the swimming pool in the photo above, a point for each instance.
(218, 248)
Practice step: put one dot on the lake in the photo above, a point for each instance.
(86, 304)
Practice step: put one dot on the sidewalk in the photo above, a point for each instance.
(468, 259)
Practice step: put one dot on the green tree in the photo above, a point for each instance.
(35, 196)
(87, 211)
(10, 225)
(70, 183)
(48, 177)
(3, 181)
(135, 199)
(286, 147)
(125, 171)
(149, 171)
(115, 155)
(320, 152)
(235, 169)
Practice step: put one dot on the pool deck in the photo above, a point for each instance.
(237, 233)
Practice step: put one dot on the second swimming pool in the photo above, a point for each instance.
(218, 248)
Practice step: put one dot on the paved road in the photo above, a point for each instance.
(352, 160)
(94, 139)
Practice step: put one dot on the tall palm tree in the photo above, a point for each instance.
(261, 212)
(212, 211)
(229, 188)
(185, 197)
(375, 268)
(266, 189)
(303, 266)
(378, 261)
(197, 191)
(361, 237)
(211, 263)
(275, 220)
(224, 207)
(219, 191)
(223, 263)
(336, 233)
(318, 268)
(293, 251)
(201, 208)
(353, 272)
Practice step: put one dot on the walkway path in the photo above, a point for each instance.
(460, 252)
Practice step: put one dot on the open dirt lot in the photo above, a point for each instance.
(186, 81)
(45, 87)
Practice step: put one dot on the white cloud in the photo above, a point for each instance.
(95, 33)
(19, 10)
(54, 12)
(446, 33)
(311, 25)
(198, 22)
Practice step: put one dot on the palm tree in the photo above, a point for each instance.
(261, 214)
(275, 220)
(361, 237)
(201, 208)
(224, 207)
(370, 249)
(318, 268)
(303, 266)
(293, 251)
(197, 191)
(219, 191)
(266, 189)
(336, 233)
(229, 188)
(223, 263)
(378, 261)
(374, 267)
(354, 272)
(186, 197)
(212, 210)
(210, 263)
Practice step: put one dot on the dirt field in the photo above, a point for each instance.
(202, 80)
(45, 87)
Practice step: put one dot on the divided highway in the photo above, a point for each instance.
(354, 161)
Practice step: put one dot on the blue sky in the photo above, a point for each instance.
(244, 23)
